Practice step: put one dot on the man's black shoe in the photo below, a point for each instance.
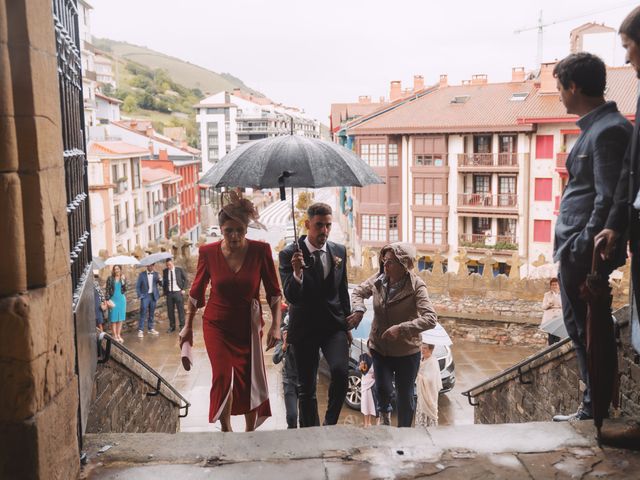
(171, 329)
(581, 414)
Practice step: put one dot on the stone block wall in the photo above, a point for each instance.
(493, 331)
(121, 404)
(555, 385)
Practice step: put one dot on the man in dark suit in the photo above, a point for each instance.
(174, 282)
(148, 293)
(625, 214)
(314, 278)
(594, 165)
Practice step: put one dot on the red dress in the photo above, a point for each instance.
(232, 325)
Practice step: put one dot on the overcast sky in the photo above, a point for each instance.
(312, 54)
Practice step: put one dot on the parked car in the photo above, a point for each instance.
(359, 346)
(214, 231)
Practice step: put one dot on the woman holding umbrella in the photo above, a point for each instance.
(116, 288)
(232, 320)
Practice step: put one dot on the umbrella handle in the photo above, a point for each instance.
(596, 260)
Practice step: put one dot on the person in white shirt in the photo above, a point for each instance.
(552, 306)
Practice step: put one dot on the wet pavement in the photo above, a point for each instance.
(474, 363)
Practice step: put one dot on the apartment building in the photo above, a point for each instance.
(477, 165)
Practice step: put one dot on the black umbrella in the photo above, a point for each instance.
(290, 161)
(602, 355)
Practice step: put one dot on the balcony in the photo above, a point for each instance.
(482, 241)
(139, 217)
(561, 163)
(121, 186)
(170, 203)
(173, 230)
(158, 208)
(483, 202)
(489, 162)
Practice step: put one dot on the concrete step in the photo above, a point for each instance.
(525, 450)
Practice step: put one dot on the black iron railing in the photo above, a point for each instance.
(104, 352)
(65, 14)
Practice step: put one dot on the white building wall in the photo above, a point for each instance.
(455, 145)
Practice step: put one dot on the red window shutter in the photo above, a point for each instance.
(544, 146)
(543, 189)
(542, 231)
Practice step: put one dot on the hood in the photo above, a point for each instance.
(405, 252)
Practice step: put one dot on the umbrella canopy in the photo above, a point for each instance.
(97, 263)
(155, 258)
(556, 327)
(121, 260)
(436, 336)
(304, 162)
(602, 354)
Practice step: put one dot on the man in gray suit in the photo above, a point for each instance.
(594, 165)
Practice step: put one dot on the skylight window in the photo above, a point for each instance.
(460, 99)
(519, 96)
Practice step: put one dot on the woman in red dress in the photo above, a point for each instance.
(232, 320)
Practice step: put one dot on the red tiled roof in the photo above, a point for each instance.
(152, 175)
(115, 147)
(108, 99)
(488, 107)
(141, 126)
(622, 88)
(341, 112)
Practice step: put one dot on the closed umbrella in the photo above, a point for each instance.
(155, 258)
(602, 355)
(290, 161)
(122, 260)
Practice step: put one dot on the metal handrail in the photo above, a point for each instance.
(104, 355)
(518, 366)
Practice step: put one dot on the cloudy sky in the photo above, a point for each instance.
(312, 54)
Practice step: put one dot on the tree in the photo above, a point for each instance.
(129, 104)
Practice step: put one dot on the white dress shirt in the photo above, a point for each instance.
(324, 258)
(173, 284)
(150, 281)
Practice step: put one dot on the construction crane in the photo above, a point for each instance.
(541, 25)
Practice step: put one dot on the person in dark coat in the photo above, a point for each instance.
(174, 282)
(318, 300)
(148, 293)
(284, 353)
(594, 165)
(624, 222)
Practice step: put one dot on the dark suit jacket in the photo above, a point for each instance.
(181, 279)
(623, 217)
(594, 165)
(142, 285)
(317, 307)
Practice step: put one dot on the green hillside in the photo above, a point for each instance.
(184, 73)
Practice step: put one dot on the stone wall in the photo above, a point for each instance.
(554, 385)
(474, 328)
(39, 387)
(121, 404)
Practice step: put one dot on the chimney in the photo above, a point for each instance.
(418, 83)
(162, 154)
(149, 131)
(444, 82)
(151, 149)
(364, 99)
(546, 79)
(479, 79)
(396, 90)
(517, 74)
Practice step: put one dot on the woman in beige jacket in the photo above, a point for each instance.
(401, 310)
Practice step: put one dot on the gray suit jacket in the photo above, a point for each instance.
(594, 166)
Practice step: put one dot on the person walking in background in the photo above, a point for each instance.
(428, 386)
(367, 391)
(284, 353)
(401, 310)
(174, 281)
(552, 306)
(148, 293)
(116, 288)
(594, 165)
(100, 302)
(314, 279)
(232, 321)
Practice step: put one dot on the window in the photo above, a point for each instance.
(213, 154)
(544, 146)
(542, 231)
(375, 154)
(460, 99)
(543, 189)
(482, 144)
(429, 191)
(126, 213)
(393, 154)
(136, 173)
(507, 191)
(429, 151)
(428, 160)
(481, 225)
(429, 230)
(519, 96)
(114, 173)
(393, 228)
(481, 184)
(507, 143)
(374, 228)
(214, 111)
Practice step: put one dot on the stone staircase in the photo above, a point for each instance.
(537, 450)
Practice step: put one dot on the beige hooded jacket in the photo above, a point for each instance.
(409, 307)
